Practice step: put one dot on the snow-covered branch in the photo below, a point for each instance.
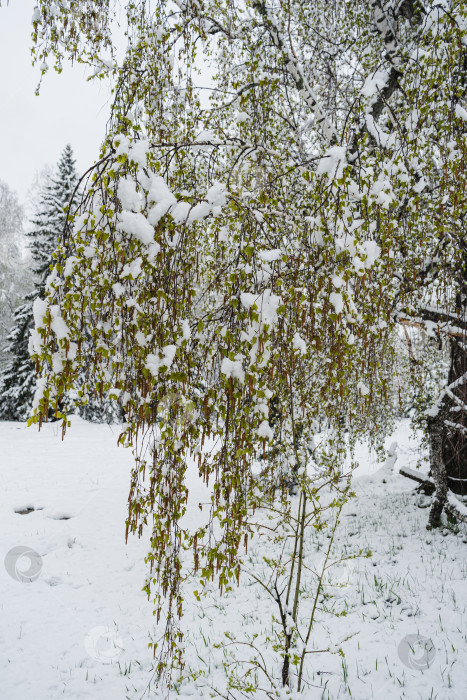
(295, 70)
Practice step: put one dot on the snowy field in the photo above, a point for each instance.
(76, 625)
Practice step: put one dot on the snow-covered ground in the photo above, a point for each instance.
(79, 625)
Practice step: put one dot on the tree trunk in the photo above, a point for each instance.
(438, 469)
(454, 439)
(286, 663)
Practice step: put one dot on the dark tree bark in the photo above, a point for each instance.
(286, 663)
(438, 469)
(447, 426)
(454, 431)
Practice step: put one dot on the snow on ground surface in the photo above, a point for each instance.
(79, 628)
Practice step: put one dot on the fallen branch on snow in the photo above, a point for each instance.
(453, 505)
(426, 481)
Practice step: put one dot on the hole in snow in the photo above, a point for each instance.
(25, 510)
(54, 581)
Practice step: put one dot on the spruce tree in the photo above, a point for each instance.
(18, 379)
(15, 278)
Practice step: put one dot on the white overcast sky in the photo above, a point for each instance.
(34, 130)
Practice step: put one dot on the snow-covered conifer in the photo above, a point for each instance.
(18, 379)
(15, 280)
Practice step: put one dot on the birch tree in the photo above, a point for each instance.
(251, 253)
